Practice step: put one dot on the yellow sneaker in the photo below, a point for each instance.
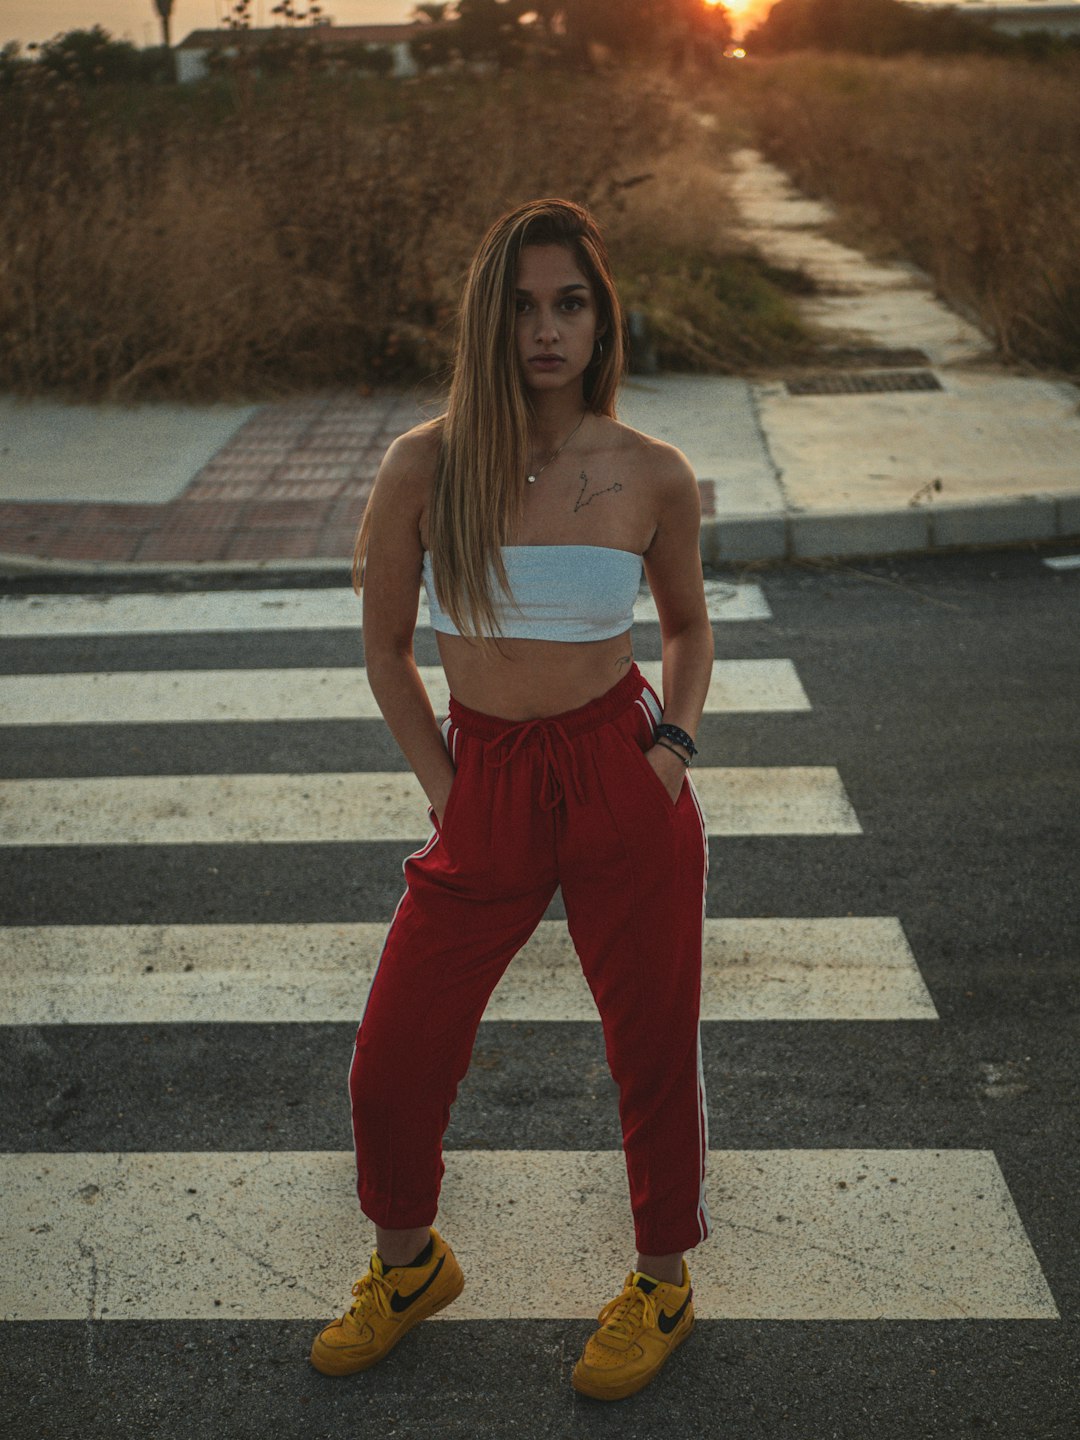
(388, 1304)
(638, 1331)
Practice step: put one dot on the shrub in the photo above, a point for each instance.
(250, 237)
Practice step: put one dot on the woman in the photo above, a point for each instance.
(527, 510)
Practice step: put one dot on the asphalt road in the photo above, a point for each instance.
(945, 691)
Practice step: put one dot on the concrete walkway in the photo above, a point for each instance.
(916, 440)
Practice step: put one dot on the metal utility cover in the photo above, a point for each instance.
(859, 383)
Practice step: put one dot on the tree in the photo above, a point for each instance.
(490, 29)
(164, 9)
(494, 29)
(708, 31)
(90, 57)
(646, 27)
(870, 27)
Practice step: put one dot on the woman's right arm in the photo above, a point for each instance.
(391, 593)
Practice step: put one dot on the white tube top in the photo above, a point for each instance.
(566, 592)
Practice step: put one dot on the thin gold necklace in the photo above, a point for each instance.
(532, 478)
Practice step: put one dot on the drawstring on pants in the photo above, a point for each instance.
(552, 790)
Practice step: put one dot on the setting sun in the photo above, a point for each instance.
(740, 10)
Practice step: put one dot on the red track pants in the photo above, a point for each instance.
(566, 800)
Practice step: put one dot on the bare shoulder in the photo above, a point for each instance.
(410, 460)
(662, 464)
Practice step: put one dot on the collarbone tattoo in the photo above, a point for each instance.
(579, 503)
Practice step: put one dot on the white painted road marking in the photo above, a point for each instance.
(804, 1235)
(1062, 562)
(183, 696)
(349, 806)
(853, 968)
(337, 608)
(541, 1234)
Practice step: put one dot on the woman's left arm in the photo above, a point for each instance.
(673, 570)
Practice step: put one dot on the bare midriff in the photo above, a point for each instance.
(533, 678)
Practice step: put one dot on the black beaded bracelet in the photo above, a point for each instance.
(672, 732)
(665, 746)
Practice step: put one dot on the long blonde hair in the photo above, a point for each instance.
(477, 496)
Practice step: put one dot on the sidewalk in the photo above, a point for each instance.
(916, 440)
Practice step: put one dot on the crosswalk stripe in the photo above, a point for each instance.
(184, 696)
(336, 608)
(369, 805)
(843, 968)
(799, 1235)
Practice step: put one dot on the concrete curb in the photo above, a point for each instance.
(926, 529)
(14, 566)
(23, 568)
(725, 540)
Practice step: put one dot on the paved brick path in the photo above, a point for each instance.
(291, 484)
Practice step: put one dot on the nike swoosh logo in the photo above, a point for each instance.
(399, 1302)
(668, 1322)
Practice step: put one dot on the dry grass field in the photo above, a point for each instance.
(969, 166)
(249, 239)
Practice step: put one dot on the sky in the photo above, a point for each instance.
(137, 20)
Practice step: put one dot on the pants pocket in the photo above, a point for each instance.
(454, 741)
(651, 777)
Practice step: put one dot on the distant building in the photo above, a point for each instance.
(191, 53)
(1019, 19)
